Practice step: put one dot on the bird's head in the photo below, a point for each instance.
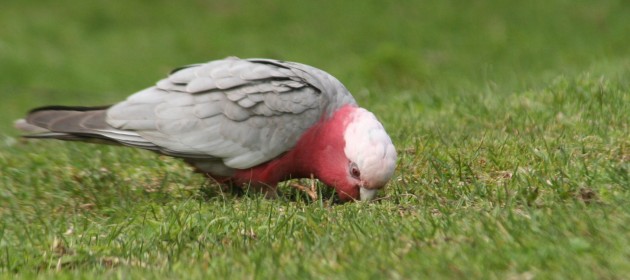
(368, 160)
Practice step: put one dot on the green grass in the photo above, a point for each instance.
(510, 119)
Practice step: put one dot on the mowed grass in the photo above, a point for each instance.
(510, 120)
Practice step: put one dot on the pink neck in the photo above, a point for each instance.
(319, 152)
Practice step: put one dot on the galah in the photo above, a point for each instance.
(243, 122)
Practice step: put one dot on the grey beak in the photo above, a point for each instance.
(366, 194)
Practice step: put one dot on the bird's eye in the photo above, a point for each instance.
(354, 170)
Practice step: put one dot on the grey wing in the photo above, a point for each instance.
(231, 113)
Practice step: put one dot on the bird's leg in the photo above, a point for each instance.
(313, 186)
(270, 192)
(311, 191)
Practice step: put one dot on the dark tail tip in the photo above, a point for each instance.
(68, 108)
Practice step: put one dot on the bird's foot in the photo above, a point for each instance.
(311, 191)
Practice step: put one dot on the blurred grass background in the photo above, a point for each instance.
(510, 118)
(100, 51)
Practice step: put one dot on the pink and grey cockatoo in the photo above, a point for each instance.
(251, 122)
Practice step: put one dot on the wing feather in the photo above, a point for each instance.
(232, 113)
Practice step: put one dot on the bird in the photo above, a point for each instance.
(243, 122)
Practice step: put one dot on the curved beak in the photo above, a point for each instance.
(366, 194)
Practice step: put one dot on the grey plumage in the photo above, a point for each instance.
(219, 116)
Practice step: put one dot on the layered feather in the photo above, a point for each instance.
(219, 116)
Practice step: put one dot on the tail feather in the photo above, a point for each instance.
(86, 124)
(68, 119)
(24, 126)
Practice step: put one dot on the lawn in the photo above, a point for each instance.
(511, 121)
